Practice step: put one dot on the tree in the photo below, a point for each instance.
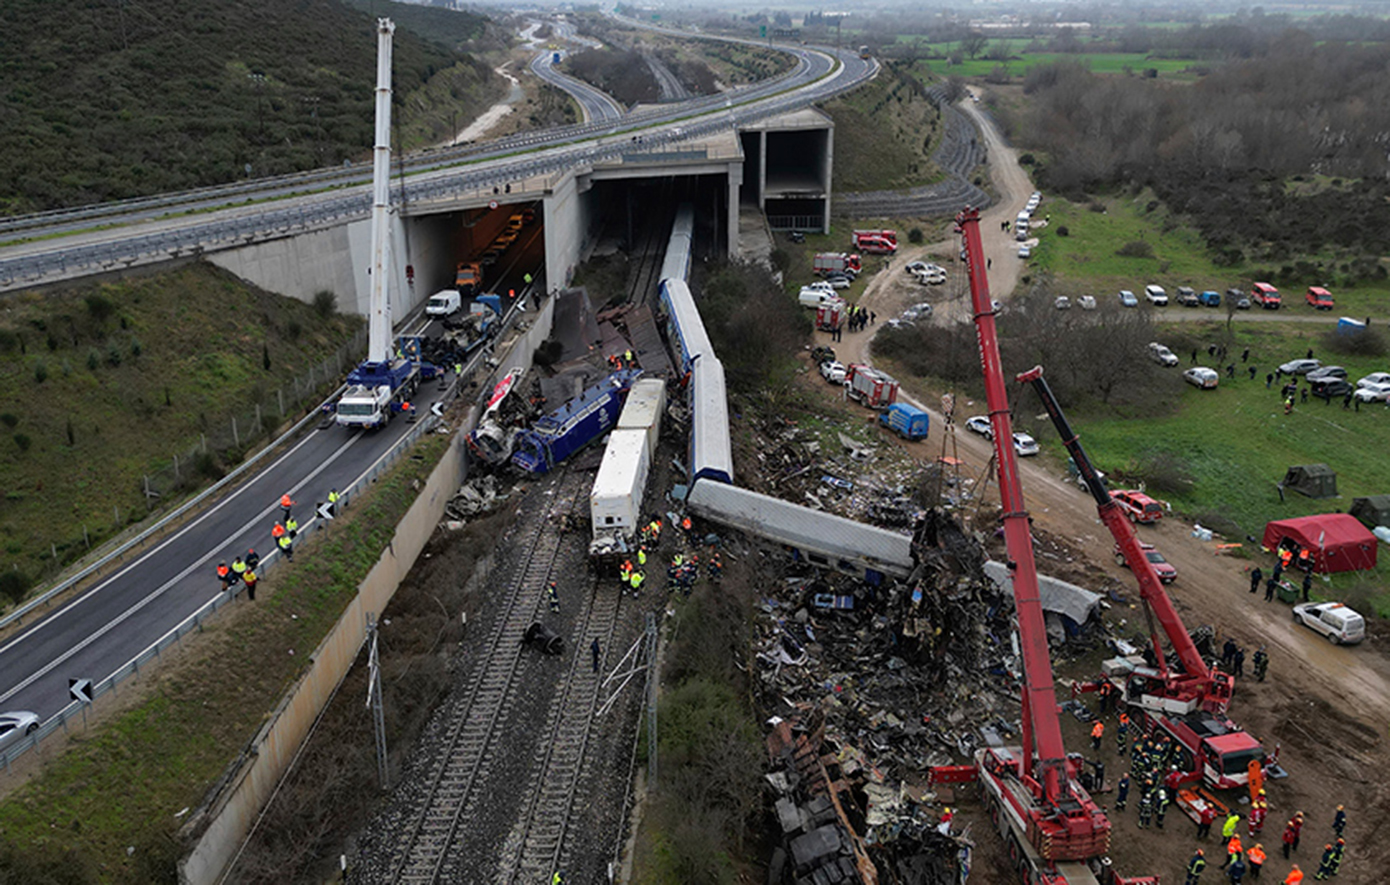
(974, 43)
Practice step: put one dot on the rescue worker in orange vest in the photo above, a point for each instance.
(277, 532)
(286, 504)
(1256, 858)
(685, 524)
(1233, 850)
(224, 574)
(1294, 877)
(1120, 733)
(1305, 559)
(1097, 732)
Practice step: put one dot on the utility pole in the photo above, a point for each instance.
(374, 701)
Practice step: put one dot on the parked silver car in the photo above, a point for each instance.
(15, 726)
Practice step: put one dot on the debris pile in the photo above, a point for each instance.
(870, 691)
(476, 497)
(862, 481)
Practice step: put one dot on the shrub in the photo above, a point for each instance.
(1366, 342)
(13, 584)
(294, 330)
(914, 236)
(9, 419)
(1027, 160)
(40, 372)
(23, 441)
(1098, 207)
(93, 360)
(100, 307)
(325, 303)
(1063, 231)
(1166, 473)
(136, 348)
(52, 342)
(113, 354)
(1135, 249)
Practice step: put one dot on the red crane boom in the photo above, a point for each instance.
(1034, 789)
(1212, 690)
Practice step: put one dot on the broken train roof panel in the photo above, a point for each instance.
(1069, 600)
(802, 527)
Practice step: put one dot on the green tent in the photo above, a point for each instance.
(1313, 480)
(1372, 510)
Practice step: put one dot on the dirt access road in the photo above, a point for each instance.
(1327, 707)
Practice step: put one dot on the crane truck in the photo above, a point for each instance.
(384, 381)
(1187, 700)
(1055, 832)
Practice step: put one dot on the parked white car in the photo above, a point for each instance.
(1162, 355)
(1024, 251)
(1334, 620)
(1202, 377)
(833, 371)
(1086, 302)
(980, 424)
(1374, 378)
(1025, 445)
(1062, 303)
(1373, 393)
(1157, 297)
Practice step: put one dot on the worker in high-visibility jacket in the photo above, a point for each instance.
(238, 569)
(286, 504)
(286, 547)
(1294, 877)
(636, 582)
(333, 497)
(1097, 732)
(224, 574)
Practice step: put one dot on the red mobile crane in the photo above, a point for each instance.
(1056, 833)
(1188, 702)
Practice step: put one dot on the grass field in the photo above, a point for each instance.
(889, 131)
(1234, 442)
(105, 383)
(1087, 263)
(1020, 61)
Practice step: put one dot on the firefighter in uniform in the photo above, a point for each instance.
(1195, 867)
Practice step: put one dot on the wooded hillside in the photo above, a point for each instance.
(104, 100)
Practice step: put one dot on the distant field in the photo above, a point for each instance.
(1086, 259)
(1235, 441)
(1021, 62)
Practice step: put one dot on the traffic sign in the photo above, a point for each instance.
(326, 510)
(81, 690)
(492, 204)
(437, 409)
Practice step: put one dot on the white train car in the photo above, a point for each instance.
(822, 539)
(684, 329)
(646, 403)
(711, 448)
(676, 264)
(615, 504)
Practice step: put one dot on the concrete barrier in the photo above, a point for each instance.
(227, 817)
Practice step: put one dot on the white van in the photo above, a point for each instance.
(1333, 620)
(443, 303)
(1021, 226)
(814, 296)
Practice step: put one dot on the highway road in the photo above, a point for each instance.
(597, 105)
(94, 633)
(98, 631)
(48, 247)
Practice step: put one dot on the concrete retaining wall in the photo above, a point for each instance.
(270, 753)
(229, 818)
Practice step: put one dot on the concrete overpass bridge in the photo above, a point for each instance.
(298, 235)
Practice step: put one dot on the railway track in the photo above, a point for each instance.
(470, 746)
(652, 251)
(536, 846)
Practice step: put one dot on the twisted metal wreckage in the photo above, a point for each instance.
(873, 694)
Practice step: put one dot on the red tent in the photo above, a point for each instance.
(1337, 541)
